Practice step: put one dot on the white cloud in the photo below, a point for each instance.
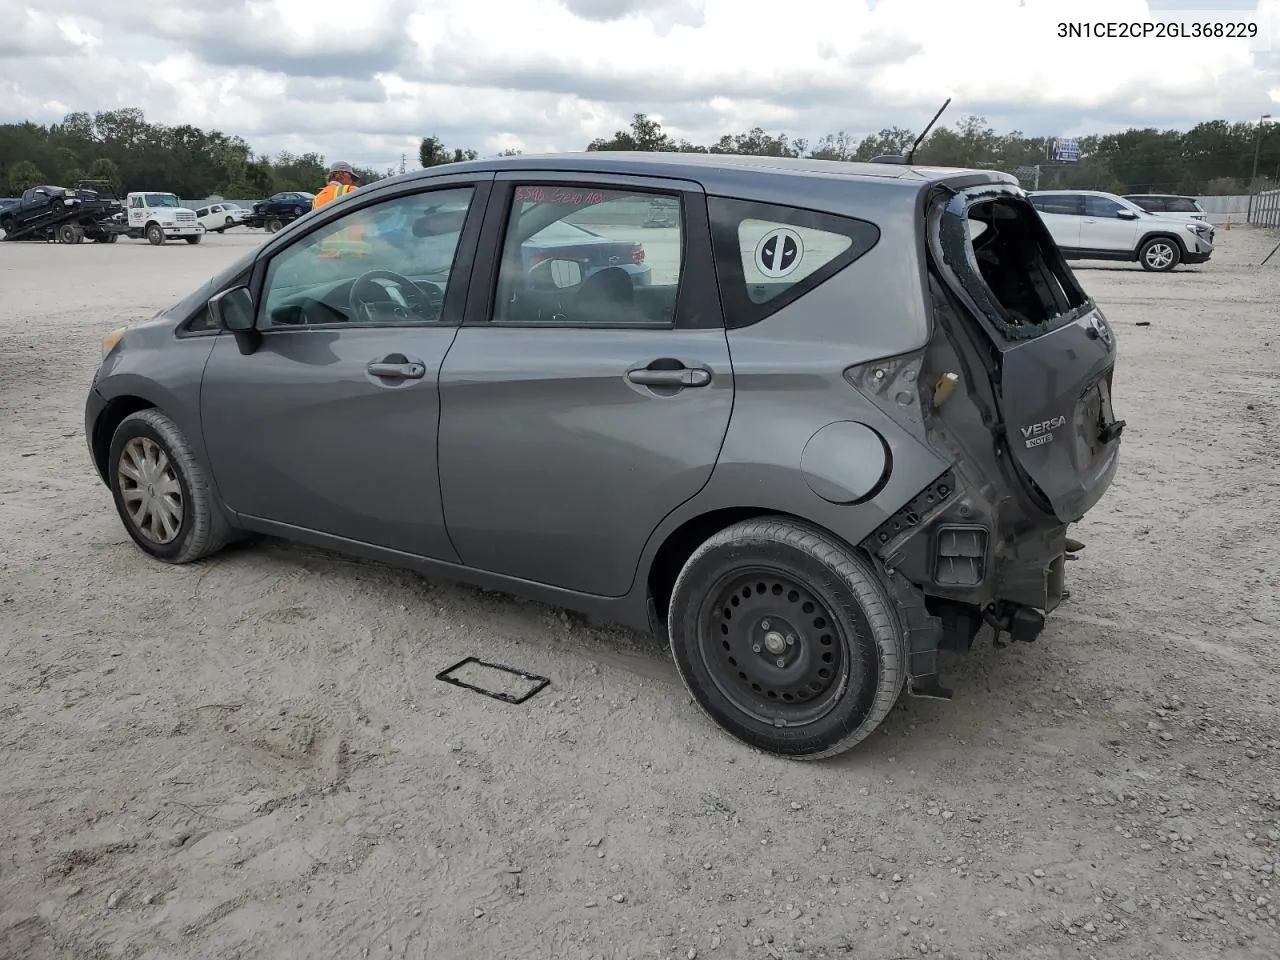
(553, 74)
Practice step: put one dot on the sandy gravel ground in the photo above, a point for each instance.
(250, 758)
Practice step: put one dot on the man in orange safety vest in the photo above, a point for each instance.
(348, 240)
(342, 180)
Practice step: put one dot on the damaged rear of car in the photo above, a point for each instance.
(1014, 389)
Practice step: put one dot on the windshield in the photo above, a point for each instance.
(161, 200)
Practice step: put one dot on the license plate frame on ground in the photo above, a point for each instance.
(537, 683)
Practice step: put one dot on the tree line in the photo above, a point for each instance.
(122, 147)
(1212, 158)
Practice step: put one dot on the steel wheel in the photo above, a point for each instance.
(772, 648)
(151, 490)
(827, 666)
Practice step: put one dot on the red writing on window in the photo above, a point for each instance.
(568, 195)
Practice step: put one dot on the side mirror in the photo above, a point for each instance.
(560, 274)
(1127, 215)
(232, 309)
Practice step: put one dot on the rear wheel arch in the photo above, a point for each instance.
(679, 545)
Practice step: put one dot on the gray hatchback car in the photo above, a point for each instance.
(844, 424)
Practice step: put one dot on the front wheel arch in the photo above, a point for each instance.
(104, 428)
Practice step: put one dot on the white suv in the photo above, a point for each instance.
(1091, 225)
(1169, 205)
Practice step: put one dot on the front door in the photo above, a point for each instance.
(588, 393)
(330, 425)
(137, 212)
(1105, 226)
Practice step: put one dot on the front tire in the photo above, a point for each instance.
(161, 492)
(196, 239)
(787, 638)
(155, 235)
(1160, 255)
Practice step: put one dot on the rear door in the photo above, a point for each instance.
(1056, 351)
(1061, 213)
(583, 399)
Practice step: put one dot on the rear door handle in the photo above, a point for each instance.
(681, 377)
(396, 371)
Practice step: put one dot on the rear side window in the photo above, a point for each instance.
(768, 255)
(1182, 205)
(1066, 204)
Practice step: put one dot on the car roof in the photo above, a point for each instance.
(710, 169)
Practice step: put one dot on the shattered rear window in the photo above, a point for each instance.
(1007, 261)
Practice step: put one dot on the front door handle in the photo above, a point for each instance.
(680, 377)
(389, 370)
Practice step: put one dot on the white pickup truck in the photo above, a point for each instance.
(159, 217)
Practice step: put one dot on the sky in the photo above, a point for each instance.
(365, 81)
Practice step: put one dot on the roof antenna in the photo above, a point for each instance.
(910, 154)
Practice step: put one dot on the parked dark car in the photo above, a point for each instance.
(288, 204)
(845, 425)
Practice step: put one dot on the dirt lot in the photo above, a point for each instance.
(251, 758)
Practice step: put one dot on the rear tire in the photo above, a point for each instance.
(787, 638)
(179, 488)
(1160, 255)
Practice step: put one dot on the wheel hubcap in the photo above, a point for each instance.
(1159, 255)
(772, 647)
(151, 490)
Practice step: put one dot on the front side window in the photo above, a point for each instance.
(1102, 207)
(769, 255)
(388, 263)
(580, 255)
